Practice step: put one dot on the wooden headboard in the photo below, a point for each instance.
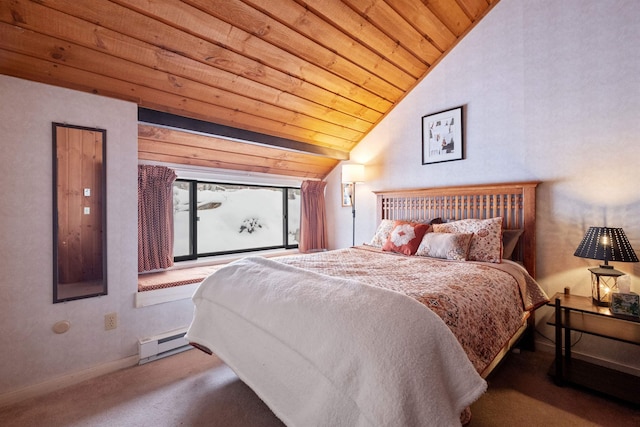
(514, 202)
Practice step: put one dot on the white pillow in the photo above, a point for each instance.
(453, 246)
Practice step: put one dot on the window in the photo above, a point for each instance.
(218, 218)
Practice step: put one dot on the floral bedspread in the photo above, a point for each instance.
(482, 303)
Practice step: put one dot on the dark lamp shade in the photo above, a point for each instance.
(606, 244)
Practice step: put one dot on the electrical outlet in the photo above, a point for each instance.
(110, 321)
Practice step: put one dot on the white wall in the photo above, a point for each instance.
(31, 353)
(551, 92)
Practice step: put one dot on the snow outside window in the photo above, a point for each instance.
(220, 218)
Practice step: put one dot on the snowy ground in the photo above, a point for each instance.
(234, 218)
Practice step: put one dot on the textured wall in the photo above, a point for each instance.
(551, 92)
(30, 351)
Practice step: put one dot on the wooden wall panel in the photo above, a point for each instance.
(79, 163)
(175, 146)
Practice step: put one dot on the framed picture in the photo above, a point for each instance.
(442, 136)
(347, 193)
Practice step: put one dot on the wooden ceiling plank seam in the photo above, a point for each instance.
(112, 16)
(311, 165)
(35, 69)
(315, 28)
(396, 27)
(217, 164)
(450, 14)
(319, 112)
(248, 160)
(163, 134)
(60, 75)
(99, 63)
(254, 159)
(102, 39)
(448, 50)
(430, 24)
(249, 45)
(271, 31)
(343, 20)
(353, 24)
(474, 9)
(290, 153)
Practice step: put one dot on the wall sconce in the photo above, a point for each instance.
(607, 244)
(351, 173)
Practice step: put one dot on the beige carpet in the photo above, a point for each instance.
(522, 394)
(193, 389)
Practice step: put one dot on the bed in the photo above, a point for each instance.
(399, 331)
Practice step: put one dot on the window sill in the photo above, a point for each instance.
(181, 281)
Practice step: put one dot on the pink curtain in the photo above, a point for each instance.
(313, 217)
(155, 217)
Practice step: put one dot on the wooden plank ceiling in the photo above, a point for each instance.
(315, 75)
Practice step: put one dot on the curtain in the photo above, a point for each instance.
(313, 217)
(155, 217)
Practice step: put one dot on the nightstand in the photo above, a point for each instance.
(578, 313)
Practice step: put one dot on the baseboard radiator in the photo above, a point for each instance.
(163, 345)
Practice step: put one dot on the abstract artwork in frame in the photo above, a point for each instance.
(442, 136)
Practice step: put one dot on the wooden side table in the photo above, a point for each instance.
(578, 313)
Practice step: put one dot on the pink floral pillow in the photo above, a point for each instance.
(453, 246)
(406, 237)
(486, 244)
(386, 227)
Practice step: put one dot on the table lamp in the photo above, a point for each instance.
(606, 244)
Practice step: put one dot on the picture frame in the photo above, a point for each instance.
(442, 137)
(346, 194)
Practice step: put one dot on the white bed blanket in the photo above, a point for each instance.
(325, 351)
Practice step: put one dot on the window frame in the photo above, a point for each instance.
(193, 219)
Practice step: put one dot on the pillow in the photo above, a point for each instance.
(406, 237)
(486, 244)
(386, 226)
(445, 245)
(382, 233)
(509, 242)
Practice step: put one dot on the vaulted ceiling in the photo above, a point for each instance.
(307, 78)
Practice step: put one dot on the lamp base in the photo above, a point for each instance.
(600, 303)
(603, 284)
